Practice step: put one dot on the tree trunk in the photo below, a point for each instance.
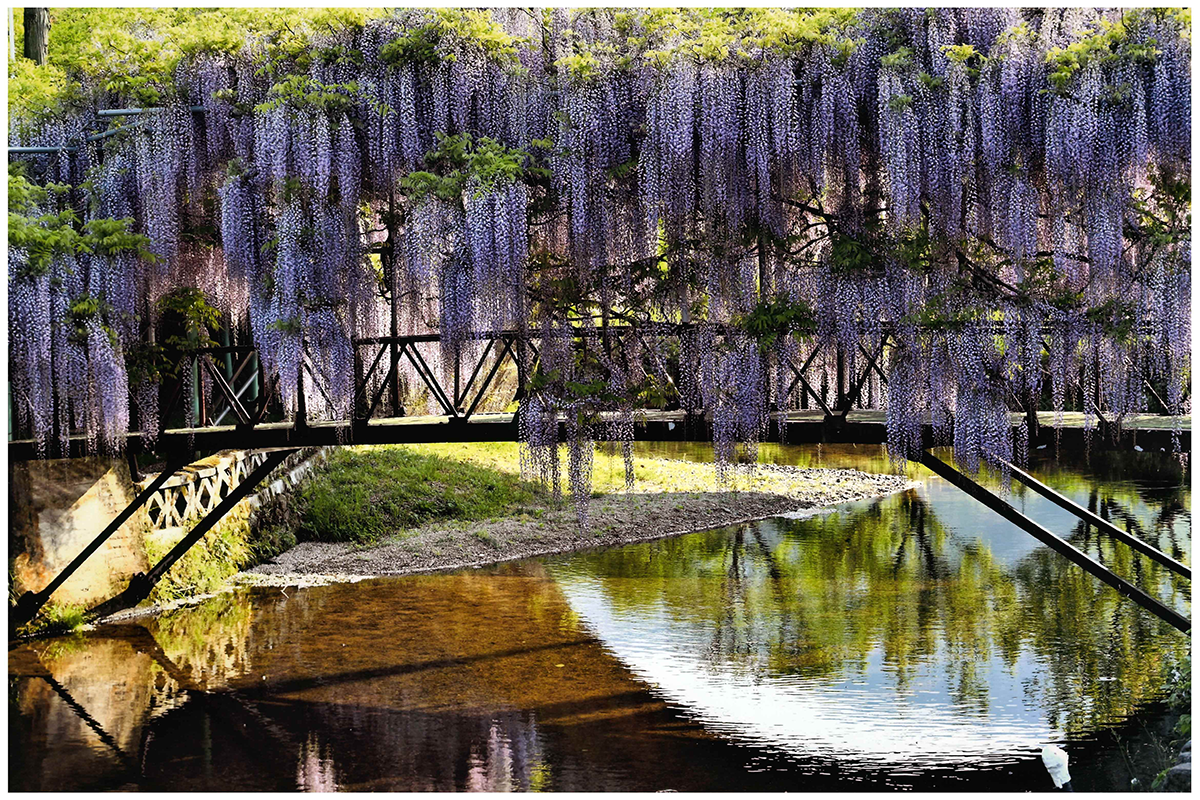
(37, 34)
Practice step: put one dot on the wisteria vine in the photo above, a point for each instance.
(987, 207)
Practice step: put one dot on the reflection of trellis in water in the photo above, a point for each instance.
(196, 490)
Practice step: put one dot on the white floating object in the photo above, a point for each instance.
(1041, 447)
(670, 426)
(1137, 447)
(1055, 759)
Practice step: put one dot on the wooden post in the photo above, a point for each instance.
(360, 385)
(227, 341)
(195, 398)
(394, 286)
(301, 404)
(458, 392)
(200, 393)
(522, 359)
(841, 378)
(1031, 419)
(255, 383)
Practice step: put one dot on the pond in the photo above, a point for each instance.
(914, 641)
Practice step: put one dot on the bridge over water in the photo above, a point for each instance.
(242, 408)
(243, 412)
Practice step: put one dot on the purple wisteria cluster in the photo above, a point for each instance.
(985, 209)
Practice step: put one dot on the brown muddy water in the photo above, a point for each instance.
(914, 641)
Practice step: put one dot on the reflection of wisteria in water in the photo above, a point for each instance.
(504, 764)
(353, 747)
(844, 648)
(314, 767)
(909, 629)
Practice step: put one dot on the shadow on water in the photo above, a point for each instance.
(912, 641)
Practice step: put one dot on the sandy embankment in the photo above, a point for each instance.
(616, 519)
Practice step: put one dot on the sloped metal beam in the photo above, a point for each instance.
(141, 584)
(1153, 553)
(1078, 557)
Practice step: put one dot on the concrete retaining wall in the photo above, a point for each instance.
(57, 507)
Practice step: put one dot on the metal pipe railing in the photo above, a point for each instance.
(104, 112)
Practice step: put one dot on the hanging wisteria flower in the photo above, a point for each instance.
(971, 203)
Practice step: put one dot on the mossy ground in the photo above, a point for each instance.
(232, 545)
(203, 565)
(55, 619)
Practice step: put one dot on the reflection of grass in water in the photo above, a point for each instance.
(1102, 654)
(63, 646)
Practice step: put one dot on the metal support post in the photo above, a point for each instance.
(140, 585)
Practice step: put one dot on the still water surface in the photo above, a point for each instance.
(914, 641)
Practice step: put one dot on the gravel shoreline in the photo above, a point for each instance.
(616, 519)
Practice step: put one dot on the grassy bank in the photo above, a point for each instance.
(54, 619)
(363, 495)
(232, 545)
(651, 475)
(410, 508)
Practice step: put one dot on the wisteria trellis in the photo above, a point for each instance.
(997, 190)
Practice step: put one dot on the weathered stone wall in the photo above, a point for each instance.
(55, 509)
